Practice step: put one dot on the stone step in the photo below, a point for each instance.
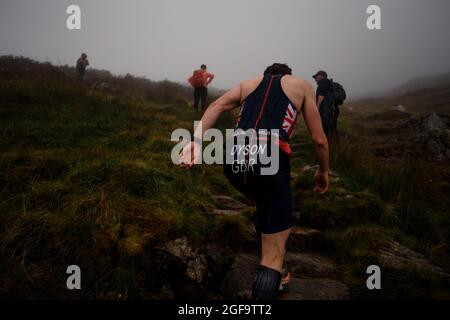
(309, 264)
(306, 239)
(239, 278)
(314, 289)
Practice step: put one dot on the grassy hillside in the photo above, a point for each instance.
(86, 178)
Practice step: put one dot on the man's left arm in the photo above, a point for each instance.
(210, 78)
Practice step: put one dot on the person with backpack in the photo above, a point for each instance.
(200, 80)
(82, 63)
(270, 106)
(339, 96)
(329, 96)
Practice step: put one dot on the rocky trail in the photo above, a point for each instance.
(214, 271)
(312, 275)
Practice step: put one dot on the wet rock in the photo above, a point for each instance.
(239, 279)
(341, 194)
(428, 135)
(225, 212)
(397, 256)
(104, 85)
(101, 86)
(433, 122)
(308, 264)
(438, 144)
(399, 107)
(179, 248)
(197, 269)
(215, 252)
(196, 266)
(314, 289)
(228, 203)
(305, 239)
(166, 293)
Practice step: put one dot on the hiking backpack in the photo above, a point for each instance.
(339, 94)
(197, 79)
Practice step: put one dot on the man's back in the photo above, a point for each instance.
(200, 78)
(295, 88)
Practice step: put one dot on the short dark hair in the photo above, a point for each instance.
(322, 73)
(278, 68)
(203, 66)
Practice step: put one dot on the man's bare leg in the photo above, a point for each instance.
(273, 249)
(268, 277)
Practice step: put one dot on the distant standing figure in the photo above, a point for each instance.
(325, 101)
(200, 80)
(82, 63)
(330, 95)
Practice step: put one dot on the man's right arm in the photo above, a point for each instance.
(320, 100)
(314, 124)
(227, 102)
(322, 91)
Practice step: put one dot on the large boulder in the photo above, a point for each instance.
(239, 279)
(195, 264)
(433, 122)
(428, 136)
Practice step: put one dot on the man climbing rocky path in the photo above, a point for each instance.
(217, 272)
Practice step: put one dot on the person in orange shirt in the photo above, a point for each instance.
(200, 80)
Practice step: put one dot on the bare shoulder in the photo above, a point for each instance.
(248, 86)
(296, 89)
(296, 82)
(252, 82)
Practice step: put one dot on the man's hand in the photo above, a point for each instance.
(321, 181)
(189, 155)
(320, 100)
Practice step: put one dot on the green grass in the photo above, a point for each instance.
(86, 178)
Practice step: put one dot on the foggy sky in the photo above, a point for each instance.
(237, 39)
